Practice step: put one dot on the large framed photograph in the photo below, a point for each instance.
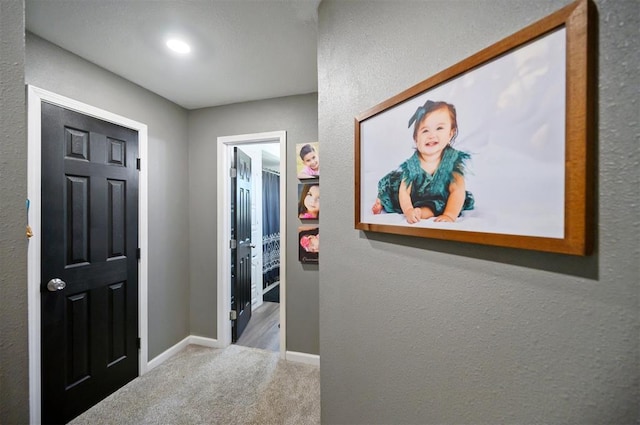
(496, 149)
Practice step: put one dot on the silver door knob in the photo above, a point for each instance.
(56, 285)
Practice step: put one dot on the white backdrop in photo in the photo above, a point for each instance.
(511, 119)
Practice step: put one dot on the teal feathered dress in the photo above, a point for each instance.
(427, 190)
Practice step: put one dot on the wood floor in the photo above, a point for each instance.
(263, 330)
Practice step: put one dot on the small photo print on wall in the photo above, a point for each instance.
(309, 201)
(308, 244)
(308, 160)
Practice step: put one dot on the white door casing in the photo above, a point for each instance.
(35, 96)
(224, 154)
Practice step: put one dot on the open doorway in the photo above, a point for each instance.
(259, 326)
(266, 327)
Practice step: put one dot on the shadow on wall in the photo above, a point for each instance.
(585, 267)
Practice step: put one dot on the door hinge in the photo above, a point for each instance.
(233, 173)
(138, 164)
(232, 244)
(233, 315)
(139, 343)
(138, 253)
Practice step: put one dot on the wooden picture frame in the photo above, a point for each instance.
(525, 114)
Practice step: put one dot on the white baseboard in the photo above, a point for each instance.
(172, 351)
(205, 342)
(167, 354)
(294, 356)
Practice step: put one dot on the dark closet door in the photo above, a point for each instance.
(89, 271)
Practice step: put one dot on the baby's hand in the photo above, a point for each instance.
(413, 215)
(445, 218)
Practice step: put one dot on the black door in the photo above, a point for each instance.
(241, 233)
(89, 242)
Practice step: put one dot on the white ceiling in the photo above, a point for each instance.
(242, 50)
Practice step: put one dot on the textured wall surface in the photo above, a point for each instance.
(297, 115)
(14, 361)
(424, 331)
(61, 72)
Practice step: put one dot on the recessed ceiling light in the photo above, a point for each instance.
(178, 46)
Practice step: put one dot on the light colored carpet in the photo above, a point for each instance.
(237, 385)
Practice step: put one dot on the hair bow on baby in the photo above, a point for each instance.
(417, 116)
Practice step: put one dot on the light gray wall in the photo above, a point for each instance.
(298, 116)
(57, 70)
(425, 331)
(14, 362)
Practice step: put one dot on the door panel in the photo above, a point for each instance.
(241, 271)
(89, 240)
